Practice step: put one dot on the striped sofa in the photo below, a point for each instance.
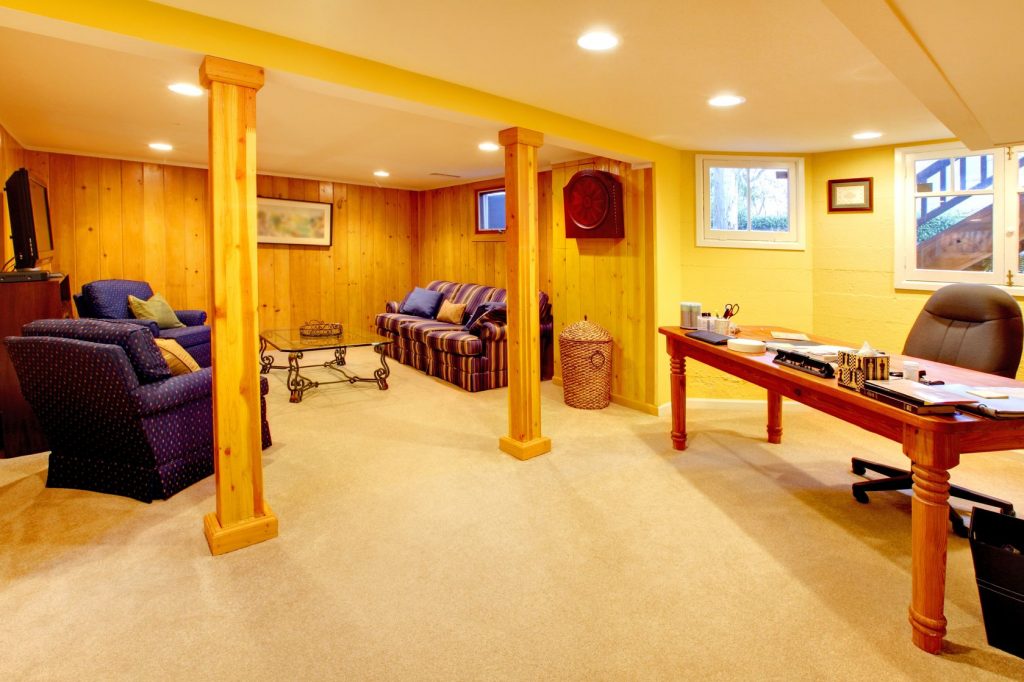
(476, 360)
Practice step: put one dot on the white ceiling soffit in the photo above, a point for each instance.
(94, 93)
(961, 59)
(808, 82)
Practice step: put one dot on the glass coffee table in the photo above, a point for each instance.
(293, 343)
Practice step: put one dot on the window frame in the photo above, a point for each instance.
(793, 239)
(1006, 231)
(486, 235)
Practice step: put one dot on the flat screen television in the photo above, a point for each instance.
(29, 209)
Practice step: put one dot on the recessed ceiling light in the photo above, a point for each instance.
(489, 146)
(160, 146)
(185, 89)
(597, 41)
(867, 135)
(381, 173)
(726, 100)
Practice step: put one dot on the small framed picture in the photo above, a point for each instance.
(850, 196)
(283, 221)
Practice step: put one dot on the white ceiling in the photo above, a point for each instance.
(809, 82)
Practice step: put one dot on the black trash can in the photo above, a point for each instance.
(997, 547)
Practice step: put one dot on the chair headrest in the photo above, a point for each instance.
(136, 340)
(972, 303)
(108, 298)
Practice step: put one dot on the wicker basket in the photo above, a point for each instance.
(586, 353)
(320, 328)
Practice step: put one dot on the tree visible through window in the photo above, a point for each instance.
(750, 202)
(749, 199)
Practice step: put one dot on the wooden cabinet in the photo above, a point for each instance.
(22, 302)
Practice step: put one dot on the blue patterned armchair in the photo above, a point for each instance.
(116, 420)
(107, 299)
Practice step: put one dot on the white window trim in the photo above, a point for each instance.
(906, 275)
(792, 240)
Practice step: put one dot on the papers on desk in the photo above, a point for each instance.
(921, 394)
(790, 336)
(915, 397)
(789, 345)
(923, 399)
(826, 353)
(1009, 406)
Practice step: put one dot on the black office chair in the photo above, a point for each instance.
(974, 326)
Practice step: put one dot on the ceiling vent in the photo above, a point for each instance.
(446, 175)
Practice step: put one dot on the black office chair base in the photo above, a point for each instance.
(900, 479)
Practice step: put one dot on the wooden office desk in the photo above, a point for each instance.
(933, 444)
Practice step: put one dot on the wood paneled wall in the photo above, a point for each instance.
(12, 157)
(447, 248)
(124, 219)
(116, 219)
(371, 259)
(610, 281)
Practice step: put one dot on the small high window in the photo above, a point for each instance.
(490, 211)
(750, 202)
(959, 216)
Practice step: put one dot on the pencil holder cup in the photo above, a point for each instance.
(853, 370)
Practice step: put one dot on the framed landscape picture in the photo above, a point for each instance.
(283, 221)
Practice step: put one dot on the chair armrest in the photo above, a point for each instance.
(162, 396)
(191, 318)
(154, 329)
(491, 330)
(391, 307)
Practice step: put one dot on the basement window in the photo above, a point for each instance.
(490, 211)
(750, 202)
(959, 216)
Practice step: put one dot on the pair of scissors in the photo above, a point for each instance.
(731, 310)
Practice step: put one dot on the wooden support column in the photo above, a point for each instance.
(524, 439)
(242, 517)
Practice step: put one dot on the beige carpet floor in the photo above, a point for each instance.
(411, 548)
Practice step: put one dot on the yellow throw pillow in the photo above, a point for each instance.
(156, 309)
(178, 359)
(451, 312)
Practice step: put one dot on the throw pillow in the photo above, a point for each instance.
(156, 309)
(422, 303)
(177, 358)
(451, 312)
(493, 310)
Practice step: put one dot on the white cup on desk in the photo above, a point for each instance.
(912, 370)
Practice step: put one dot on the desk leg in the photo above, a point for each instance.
(678, 386)
(774, 417)
(931, 457)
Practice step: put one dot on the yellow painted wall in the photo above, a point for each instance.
(854, 297)
(854, 294)
(772, 286)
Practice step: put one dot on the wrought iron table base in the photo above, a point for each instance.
(299, 384)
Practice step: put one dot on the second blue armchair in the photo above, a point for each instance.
(107, 299)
